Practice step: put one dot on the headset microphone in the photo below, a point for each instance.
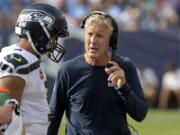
(108, 65)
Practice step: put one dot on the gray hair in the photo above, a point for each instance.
(101, 19)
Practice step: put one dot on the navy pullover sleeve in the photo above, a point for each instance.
(57, 103)
(132, 94)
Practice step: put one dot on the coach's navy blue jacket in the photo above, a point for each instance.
(92, 107)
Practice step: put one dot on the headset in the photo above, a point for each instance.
(115, 33)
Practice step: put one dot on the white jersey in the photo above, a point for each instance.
(15, 61)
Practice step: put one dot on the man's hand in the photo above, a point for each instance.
(6, 113)
(116, 74)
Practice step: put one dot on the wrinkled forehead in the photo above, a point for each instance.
(94, 26)
(99, 19)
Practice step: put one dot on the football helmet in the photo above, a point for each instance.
(40, 24)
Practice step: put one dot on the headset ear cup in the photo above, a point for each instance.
(114, 39)
(111, 41)
(115, 34)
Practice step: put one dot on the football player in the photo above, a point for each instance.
(39, 27)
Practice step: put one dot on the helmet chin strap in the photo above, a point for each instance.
(43, 57)
(31, 42)
(45, 29)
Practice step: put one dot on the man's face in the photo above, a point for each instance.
(54, 42)
(96, 40)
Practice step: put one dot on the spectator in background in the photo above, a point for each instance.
(97, 89)
(112, 8)
(149, 22)
(160, 15)
(4, 29)
(149, 81)
(16, 8)
(177, 9)
(170, 84)
(96, 5)
(123, 3)
(78, 10)
(62, 4)
(129, 18)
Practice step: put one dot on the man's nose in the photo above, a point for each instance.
(93, 38)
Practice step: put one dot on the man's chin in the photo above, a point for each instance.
(93, 56)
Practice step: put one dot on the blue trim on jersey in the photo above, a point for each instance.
(30, 68)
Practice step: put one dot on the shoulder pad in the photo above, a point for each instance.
(15, 59)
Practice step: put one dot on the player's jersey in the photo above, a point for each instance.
(15, 61)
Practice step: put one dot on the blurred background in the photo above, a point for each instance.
(149, 34)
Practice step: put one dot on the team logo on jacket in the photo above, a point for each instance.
(110, 84)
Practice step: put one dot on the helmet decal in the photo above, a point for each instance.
(29, 15)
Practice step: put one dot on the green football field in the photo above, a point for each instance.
(157, 122)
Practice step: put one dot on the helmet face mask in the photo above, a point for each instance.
(57, 53)
(40, 23)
